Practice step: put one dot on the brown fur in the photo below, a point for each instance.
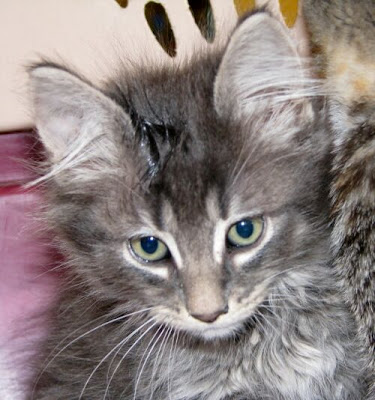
(345, 33)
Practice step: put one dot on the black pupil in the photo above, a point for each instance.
(245, 229)
(149, 244)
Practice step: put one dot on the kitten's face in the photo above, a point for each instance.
(192, 198)
(208, 243)
(223, 259)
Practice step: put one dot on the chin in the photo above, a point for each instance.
(213, 332)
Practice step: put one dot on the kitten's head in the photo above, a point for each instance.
(195, 190)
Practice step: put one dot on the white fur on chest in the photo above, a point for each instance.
(297, 371)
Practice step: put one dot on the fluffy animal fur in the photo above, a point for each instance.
(344, 32)
(183, 153)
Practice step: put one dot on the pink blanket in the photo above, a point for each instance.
(27, 283)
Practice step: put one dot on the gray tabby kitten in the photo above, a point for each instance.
(191, 204)
(345, 33)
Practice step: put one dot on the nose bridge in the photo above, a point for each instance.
(202, 276)
(204, 289)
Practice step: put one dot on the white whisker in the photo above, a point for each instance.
(139, 372)
(173, 350)
(129, 350)
(122, 342)
(81, 337)
(158, 357)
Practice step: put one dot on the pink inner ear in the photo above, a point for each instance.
(27, 286)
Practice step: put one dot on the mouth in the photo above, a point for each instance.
(217, 333)
(230, 326)
(218, 330)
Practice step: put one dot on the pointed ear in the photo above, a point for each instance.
(260, 70)
(67, 108)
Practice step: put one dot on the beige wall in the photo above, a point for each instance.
(91, 35)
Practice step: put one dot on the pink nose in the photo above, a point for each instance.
(210, 317)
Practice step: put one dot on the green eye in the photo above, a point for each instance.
(149, 248)
(245, 232)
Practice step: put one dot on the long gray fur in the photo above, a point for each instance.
(177, 149)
